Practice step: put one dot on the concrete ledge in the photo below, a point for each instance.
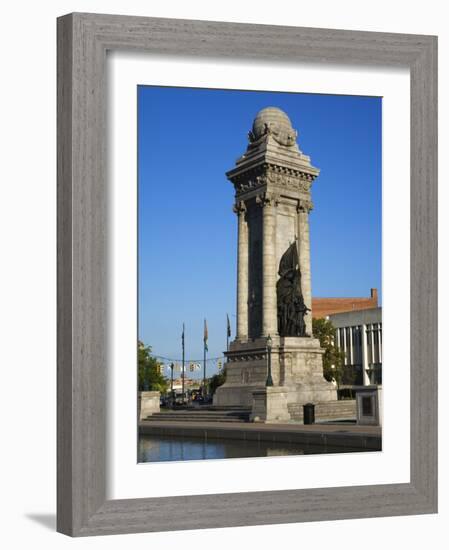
(352, 437)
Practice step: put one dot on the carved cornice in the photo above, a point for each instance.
(245, 356)
(248, 182)
(271, 174)
(290, 180)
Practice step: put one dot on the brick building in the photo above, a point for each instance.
(323, 307)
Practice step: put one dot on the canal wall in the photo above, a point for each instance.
(366, 438)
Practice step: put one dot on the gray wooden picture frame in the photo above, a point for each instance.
(83, 40)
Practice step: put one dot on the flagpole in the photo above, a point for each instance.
(204, 371)
(204, 358)
(183, 362)
(172, 366)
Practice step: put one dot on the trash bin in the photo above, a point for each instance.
(309, 413)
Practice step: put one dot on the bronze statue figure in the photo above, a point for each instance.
(290, 301)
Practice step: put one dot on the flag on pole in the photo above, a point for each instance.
(205, 336)
(182, 335)
(228, 326)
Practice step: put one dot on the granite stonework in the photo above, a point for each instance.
(270, 405)
(296, 366)
(149, 402)
(272, 182)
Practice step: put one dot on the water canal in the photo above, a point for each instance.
(156, 448)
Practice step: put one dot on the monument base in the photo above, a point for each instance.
(270, 405)
(148, 403)
(296, 367)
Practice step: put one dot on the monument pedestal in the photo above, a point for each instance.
(301, 370)
(149, 403)
(270, 405)
(296, 368)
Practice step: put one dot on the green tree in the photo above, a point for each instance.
(333, 358)
(217, 380)
(149, 370)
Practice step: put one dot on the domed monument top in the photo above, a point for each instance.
(273, 121)
(273, 155)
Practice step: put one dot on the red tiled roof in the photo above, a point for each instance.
(322, 307)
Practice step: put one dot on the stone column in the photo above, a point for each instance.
(269, 297)
(242, 273)
(304, 207)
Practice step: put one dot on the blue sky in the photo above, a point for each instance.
(187, 140)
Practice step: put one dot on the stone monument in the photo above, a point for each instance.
(272, 182)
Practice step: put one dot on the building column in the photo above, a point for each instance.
(366, 380)
(304, 207)
(373, 351)
(269, 296)
(242, 273)
(351, 347)
(345, 347)
(380, 343)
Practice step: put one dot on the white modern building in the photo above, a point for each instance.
(359, 335)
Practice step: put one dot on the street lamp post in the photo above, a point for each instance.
(203, 393)
(183, 363)
(172, 366)
(269, 381)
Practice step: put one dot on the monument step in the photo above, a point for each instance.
(225, 408)
(172, 418)
(220, 412)
(202, 415)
